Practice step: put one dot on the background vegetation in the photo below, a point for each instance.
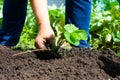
(104, 26)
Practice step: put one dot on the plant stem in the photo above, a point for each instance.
(29, 51)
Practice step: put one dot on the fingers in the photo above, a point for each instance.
(40, 43)
(50, 41)
(43, 43)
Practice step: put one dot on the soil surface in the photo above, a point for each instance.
(78, 64)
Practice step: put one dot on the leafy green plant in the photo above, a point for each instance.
(73, 35)
(64, 33)
(105, 26)
(57, 21)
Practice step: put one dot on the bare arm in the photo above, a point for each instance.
(45, 32)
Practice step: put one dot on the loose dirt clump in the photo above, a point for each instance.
(78, 64)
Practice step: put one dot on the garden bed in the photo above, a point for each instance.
(78, 64)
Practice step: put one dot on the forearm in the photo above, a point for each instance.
(40, 9)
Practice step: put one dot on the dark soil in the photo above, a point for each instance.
(78, 64)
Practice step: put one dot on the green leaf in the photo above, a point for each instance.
(75, 35)
(70, 28)
(108, 37)
(70, 39)
(67, 36)
(81, 34)
(118, 35)
(116, 39)
(118, 54)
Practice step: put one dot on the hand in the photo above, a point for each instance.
(45, 38)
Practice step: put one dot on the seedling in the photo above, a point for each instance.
(68, 34)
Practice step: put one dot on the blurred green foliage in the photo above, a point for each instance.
(1, 5)
(105, 24)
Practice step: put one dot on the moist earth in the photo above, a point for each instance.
(76, 64)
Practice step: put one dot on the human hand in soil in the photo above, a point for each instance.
(45, 38)
(45, 35)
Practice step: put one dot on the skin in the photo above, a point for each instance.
(45, 34)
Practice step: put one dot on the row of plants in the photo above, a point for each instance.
(104, 26)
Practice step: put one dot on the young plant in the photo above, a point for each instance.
(69, 34)
(65, 35)
(73, 35)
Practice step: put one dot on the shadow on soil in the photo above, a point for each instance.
(110, 67)
(45, 55)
